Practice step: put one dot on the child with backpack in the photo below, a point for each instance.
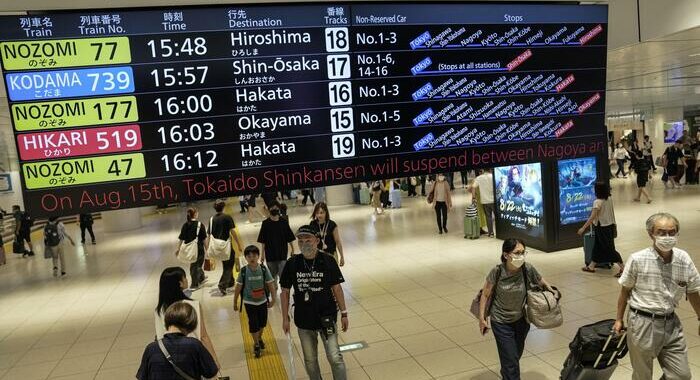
(254, 285)
(54, 233)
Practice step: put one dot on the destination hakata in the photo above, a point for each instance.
(519, 60)
(565, 127)
(79, 142)
(565, 83)
(592, 33)
(589, 103)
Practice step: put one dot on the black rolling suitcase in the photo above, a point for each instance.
(594, 352)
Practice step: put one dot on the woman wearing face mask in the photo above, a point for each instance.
(442, 200)
(602, 219)
(621, 155)
(506, 286)
(328, 232)
(172, 283)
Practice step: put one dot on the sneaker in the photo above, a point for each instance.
(55, 272)
(63, 274)
(94, 242)
(257, 351)
(222, 290)
(31, 253)
(446, 230)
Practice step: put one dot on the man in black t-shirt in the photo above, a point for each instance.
(672, 155)
(23, 229)
(316, 278)
(275, 237)
(222, 227)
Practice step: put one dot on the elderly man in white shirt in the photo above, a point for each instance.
(654, 281)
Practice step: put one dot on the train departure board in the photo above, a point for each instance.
(132, 107)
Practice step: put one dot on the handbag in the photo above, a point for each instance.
(476, 302)
(218, 249)
(188, 251)
(542, 306)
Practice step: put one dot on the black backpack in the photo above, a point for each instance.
(51, 236)
(244, 270)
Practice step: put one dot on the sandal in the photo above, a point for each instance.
(587, 269)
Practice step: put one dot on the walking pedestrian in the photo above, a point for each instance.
(318, 294)
(647, 152)
(655, 282)
(254, 285)
(23, 229)
(54, 236)
(175, 352)
(173, 282)
(222, 227)
(507, 288)
(441, 200)
(192, 229)
(621, 155)
(602, 219)
(484, 182)
(86, 221)
(671, 161)
(642, 169)
(276, 238)
(328, 233)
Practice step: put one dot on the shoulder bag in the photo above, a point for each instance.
(218, 249)
(188, 251)
(542, 306)
(476, 302)
(169, 358)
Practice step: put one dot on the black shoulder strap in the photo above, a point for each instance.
(172, 363)
(243, 272)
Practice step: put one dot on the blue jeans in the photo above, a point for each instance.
(510, 341)
(309, 346)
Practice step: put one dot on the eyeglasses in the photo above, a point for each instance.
(666, 233)
(519, 253)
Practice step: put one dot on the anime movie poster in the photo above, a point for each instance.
(576, 189)
(519, 197)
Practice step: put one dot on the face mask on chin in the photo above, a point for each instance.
(665, 243)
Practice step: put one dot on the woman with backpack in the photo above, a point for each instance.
(191, 230)
(54, 234)
(503, 301)
(602, 219)
(173, 282)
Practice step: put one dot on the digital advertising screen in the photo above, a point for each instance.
(673, 131)
(124, 108)
(576, 179)
(519, 201)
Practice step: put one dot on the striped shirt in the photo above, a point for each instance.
(657, 287)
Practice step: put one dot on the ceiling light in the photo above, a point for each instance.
(694, 55)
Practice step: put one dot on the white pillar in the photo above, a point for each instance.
(339, 195)
(121, 220)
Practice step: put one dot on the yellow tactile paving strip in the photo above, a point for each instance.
(269, 366)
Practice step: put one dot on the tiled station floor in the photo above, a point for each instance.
(406, 286)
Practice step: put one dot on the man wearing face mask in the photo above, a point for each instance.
(653, 283)
(316, 278)
(275, 236)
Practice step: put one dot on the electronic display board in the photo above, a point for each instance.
(131, 107)
(576, 179)
(519, 200)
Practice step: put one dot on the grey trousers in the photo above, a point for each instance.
(650, 339)
(488, 210)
